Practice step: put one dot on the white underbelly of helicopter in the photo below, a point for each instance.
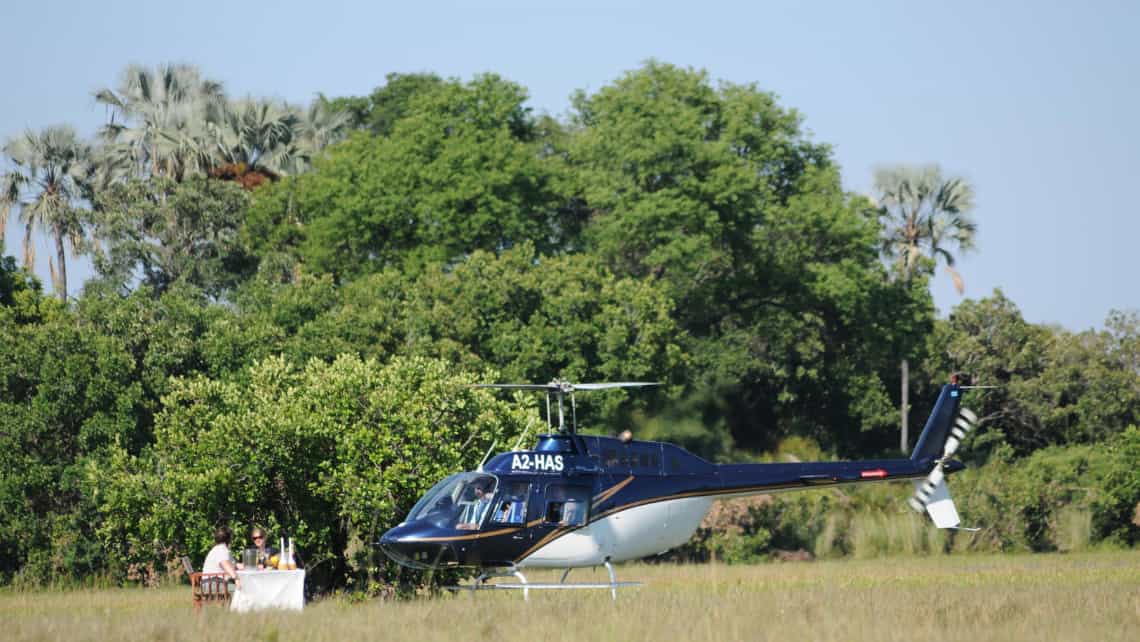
(629, 534)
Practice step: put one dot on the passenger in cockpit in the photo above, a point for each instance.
(572, 512)
(475, 512)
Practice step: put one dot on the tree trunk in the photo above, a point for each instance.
(61, 287)
(905, 405)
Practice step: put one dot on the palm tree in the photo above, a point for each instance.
(258, 140)
(926, 218)
(52, 172)
(254, 137)
(318, 127)
(159, 119)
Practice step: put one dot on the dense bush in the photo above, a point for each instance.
(329, 454)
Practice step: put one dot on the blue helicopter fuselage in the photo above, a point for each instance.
(577, 500)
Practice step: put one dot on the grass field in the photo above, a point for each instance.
(1092, 596)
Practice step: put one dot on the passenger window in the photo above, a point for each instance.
(510, 508)
(567, 505)
(611, 457)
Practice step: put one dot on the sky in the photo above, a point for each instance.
(1036, 104)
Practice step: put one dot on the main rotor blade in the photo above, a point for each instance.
(616, 384)
(566, 386)
(517, 386)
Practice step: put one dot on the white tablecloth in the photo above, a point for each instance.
(269, 590)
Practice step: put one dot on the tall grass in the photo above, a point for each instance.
(880, 533)
(1074, 529)
(1087, 596)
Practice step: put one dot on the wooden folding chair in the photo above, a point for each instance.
(206, 587)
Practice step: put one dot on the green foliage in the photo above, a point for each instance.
(717, 194)
(169, 233)
(527, 317)
(20, 292)
(1116, 509)
(67, 391)
(681, 174)
(533, 319)
(331, 454)
(462, 171)
(386, 105)
(1054, 386)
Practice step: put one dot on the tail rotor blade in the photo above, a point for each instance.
(966, 422)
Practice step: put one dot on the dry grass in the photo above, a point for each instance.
(1088, 596)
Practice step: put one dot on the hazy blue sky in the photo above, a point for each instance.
(1036, 103)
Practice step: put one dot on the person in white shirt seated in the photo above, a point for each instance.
(219, 560)
(572, 512)
(475, 511)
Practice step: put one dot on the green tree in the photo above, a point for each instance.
(528, 317)
(67, 391)
(159, 232)
(1053, 387)
(258, 140)
(379, 111)
(990, 341)
(923, 213)
(716, 193)
(51, 175)
(461, 171)
(534, 319)
(679, 174)
(15, 284)
(332, 454)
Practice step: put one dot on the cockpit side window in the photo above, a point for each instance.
(510, 506)
(567, 505)
(462, 501)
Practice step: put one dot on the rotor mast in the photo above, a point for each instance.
(561, 389)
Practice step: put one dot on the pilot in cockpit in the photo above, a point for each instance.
(475, 511)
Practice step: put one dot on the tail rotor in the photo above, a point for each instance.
(931, 495)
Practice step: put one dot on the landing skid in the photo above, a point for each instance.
(481, 583)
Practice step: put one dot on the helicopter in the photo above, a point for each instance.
(577, 500)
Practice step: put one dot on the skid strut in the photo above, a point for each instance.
(481, 584)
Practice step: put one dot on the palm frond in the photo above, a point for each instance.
(959, 284)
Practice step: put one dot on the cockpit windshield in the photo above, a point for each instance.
(461, 501)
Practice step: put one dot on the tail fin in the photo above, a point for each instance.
(947, 426)
(938, 425)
